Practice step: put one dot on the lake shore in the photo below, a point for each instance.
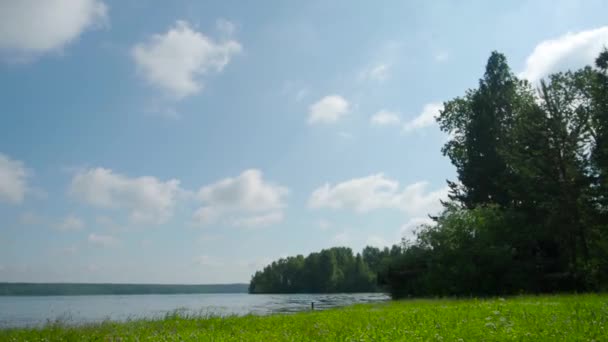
(551, 318)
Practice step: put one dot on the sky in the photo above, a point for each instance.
(195, 142)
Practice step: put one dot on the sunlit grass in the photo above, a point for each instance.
(544, 318)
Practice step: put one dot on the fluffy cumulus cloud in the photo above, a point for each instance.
(328, 109)
(426, 118)
(385, 118)
(147, 199)
(246, 200)
(32, 27)
(101, 240)
(569, 51)
(378, 192)
(13, 180)
(70, 224)
(176, 60)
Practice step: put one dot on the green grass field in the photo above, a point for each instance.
(545, 318)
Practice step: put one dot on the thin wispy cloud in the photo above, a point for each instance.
(385, 118)
(378, 72)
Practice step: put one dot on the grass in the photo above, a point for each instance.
(544, 318)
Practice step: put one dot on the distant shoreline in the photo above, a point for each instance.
(86, 289)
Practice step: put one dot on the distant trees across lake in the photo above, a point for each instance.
(527, 214)
(72, 289)
(329, 271)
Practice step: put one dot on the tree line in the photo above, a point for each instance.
(527, 214)
(80, 289)
(331, 270)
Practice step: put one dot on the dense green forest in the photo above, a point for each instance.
(73, 289)
(331, 270)
(527, 214)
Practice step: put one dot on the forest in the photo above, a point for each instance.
(528, 212)
(329, 271)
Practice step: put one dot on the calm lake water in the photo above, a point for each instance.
(37, 310)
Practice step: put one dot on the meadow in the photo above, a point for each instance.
(525, 318)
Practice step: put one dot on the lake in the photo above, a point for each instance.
(20, 311)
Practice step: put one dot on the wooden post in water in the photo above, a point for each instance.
(312, 306)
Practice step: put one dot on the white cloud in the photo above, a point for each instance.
(572, 50)
(147, 199)
(426, 118)
(102, 240)
(239, 198)
(328, 109)
(379, 72)
(385, 118)
(13, 177)
(176, 60)
(378, 192)
(70, 224)
(33, 27)
(409, 228)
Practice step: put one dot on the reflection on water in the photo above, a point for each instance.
(37, 310)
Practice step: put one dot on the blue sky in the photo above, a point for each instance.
(188, 142)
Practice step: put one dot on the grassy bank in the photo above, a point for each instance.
(546, 318)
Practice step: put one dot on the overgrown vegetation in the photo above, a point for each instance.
(548, 318)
